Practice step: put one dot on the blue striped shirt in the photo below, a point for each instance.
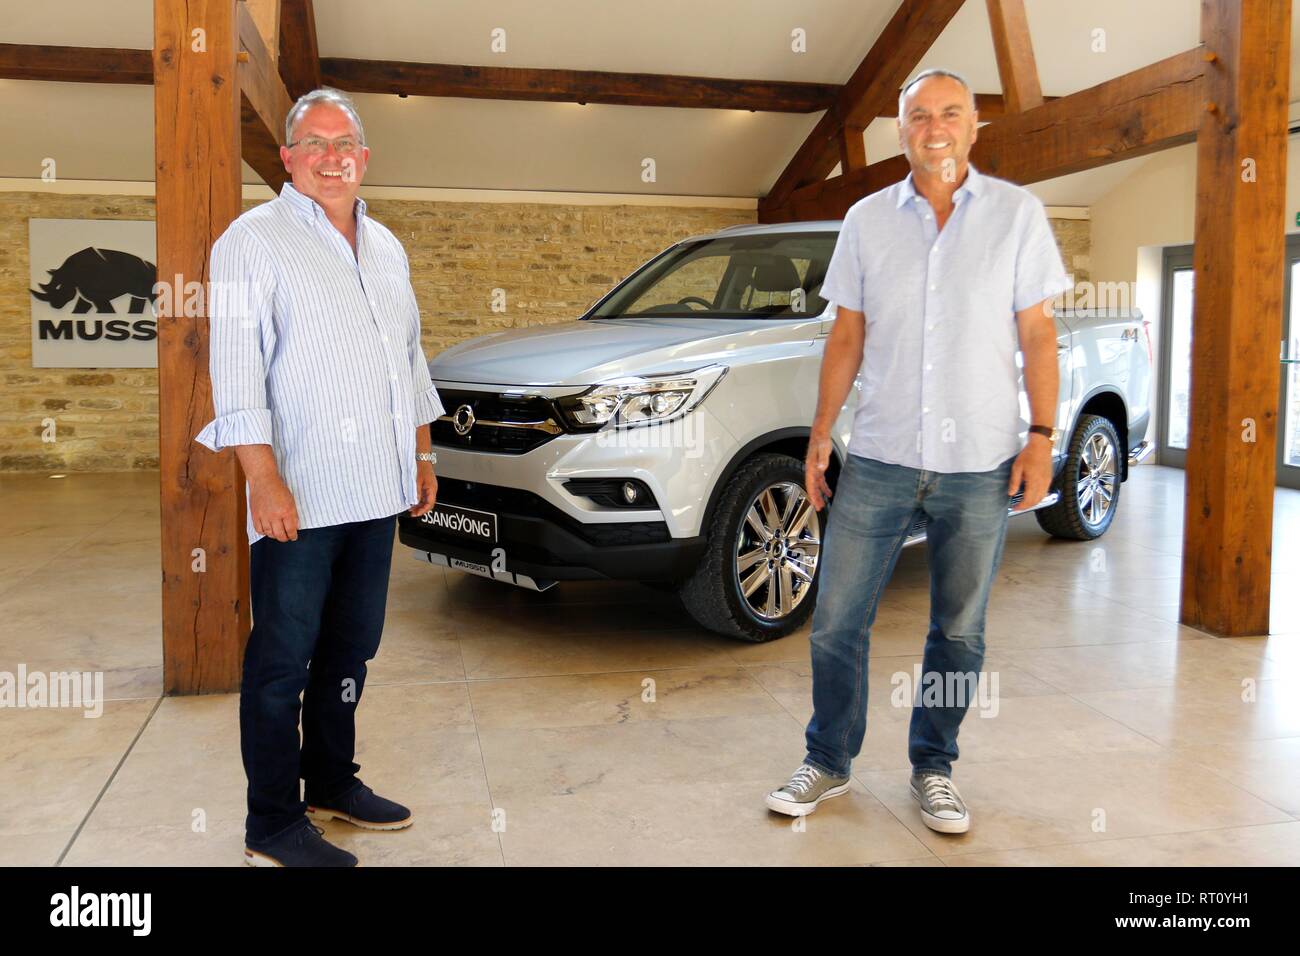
(316, 352)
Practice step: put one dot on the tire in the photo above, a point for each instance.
(1092, 462)
(714, 594)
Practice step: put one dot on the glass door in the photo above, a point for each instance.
(1175, 356)
(1288, 438)
(1176, 359)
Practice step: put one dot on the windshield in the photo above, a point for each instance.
(778, 275)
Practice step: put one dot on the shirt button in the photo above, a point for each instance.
(925, 411)
(933, 288)
(392, 378)
(929, 367)
(384, 338)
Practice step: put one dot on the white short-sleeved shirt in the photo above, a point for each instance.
(940, 382)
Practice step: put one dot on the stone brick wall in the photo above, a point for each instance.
(1074, 237)
(551, 261)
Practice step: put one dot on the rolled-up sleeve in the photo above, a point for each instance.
(240, 335)
(1039, 272)
(428, 406)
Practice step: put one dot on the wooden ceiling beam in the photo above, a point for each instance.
(887, 66)
(853, 149)
(299, 54)
(1015, 54)
(21, 61)
(1150, 109)
(574, 86)
(264, 103)
(75, 64)
(266, 15)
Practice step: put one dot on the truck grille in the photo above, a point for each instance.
(501, 422)
(506, 501)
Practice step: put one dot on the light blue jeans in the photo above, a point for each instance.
(874, 506)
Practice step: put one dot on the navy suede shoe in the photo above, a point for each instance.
(298, 845)
(361, 807)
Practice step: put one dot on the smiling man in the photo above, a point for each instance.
(320, 385)
(939, 280)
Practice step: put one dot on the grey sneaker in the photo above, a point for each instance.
(807, 788)
(942, 808)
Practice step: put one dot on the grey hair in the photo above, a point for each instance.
(325, 95)
(925, 75)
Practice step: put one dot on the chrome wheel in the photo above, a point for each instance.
(1098, 473)
(777, 550)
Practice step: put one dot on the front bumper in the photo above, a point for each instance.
(538, 541)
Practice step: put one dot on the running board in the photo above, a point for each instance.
(917, 534)
(1142, 452)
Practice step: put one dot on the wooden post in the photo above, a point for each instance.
(1237, 316)
(205, 613)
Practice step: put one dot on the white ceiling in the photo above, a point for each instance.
(106, 132)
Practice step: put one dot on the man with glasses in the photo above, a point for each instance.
(320, 385)
(939, 280)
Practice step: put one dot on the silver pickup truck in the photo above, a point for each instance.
(660, 437)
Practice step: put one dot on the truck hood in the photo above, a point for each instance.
(585, 352)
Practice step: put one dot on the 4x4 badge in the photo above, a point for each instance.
(463, 420)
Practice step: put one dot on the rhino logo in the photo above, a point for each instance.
(95, 277)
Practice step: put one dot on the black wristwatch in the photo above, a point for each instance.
(1047, 431)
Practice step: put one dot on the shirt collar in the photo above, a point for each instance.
(310, 208)
(973, 186)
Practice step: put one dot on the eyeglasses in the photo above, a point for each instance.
(316, 145)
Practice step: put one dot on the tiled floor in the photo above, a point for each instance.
(517, 725)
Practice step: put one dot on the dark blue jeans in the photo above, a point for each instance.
(318, 612)
(874, 506)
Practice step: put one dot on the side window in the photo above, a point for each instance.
(761, 276)
(774, 284)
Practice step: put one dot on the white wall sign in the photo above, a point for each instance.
(91, 292)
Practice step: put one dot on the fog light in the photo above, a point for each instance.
(630, 493)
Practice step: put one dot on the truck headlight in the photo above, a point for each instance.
(640, 399)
